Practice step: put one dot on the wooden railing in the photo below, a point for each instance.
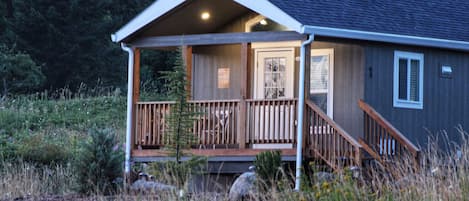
(271, 121)
(328, 141)
(384, 142)
(214, 123)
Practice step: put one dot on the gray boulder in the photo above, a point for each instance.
(145, 186)
(243, 186)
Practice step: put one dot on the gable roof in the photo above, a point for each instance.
(428, 23)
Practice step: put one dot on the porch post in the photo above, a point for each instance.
(241, 137)
(187, 57)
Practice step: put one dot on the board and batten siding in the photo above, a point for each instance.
(206, 61)
(445, 100)
(348, 84)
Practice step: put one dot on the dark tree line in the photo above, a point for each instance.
(67, 42)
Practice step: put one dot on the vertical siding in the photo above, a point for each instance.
(445, 101)
(348, 84)
(207, 60)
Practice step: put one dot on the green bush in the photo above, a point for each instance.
(38, 149)
(99, 162)
(269, 166)
(178, 174)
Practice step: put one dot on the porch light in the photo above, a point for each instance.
(205, 16)
(263, 22)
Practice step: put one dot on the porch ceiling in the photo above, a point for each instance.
(185, 19)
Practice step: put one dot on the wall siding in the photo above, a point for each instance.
(348, 84)
(206, 61)
(445, 101)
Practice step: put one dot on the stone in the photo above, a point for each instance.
(243, 186)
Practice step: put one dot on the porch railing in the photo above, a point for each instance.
(328, 141)
(271, 121)
(384, 142)
(214, 123)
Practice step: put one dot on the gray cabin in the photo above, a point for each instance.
(347, 77)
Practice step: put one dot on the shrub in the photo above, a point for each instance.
(99, 162)
(178, 174)
(39, 149)
(268, 166)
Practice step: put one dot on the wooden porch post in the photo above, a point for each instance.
(187, 56)
(135, 93)
(245, 50)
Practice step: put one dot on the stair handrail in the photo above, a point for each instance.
(393, 132)
(344, 134)
(389, 127)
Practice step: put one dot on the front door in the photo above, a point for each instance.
(273, 120)
(322, 79)
(274, 73)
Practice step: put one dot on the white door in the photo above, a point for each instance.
(322, 79)
(274, 73)
(274, 80)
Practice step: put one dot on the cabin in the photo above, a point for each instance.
(337, 81)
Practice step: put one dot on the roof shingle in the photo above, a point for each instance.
(440, 19)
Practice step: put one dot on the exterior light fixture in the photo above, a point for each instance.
(205, 16)
(263, 22)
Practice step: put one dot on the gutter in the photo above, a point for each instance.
(130, 83)
(301, 107)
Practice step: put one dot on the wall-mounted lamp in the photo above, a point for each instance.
(205, 15)
(446, 71)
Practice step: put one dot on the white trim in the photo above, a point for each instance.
(384, 37)
(282, 44)
(407, 103)
(252, 22)
(289, 71)
(152, 12)
(272, 146)
(269, 10)
(330, 84)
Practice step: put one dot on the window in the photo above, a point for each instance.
(408, 80)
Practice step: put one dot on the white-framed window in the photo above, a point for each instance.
(408, 80)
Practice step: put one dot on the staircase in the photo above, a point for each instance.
(327, 141)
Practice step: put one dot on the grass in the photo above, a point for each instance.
(33, 124)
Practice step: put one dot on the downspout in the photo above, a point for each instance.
(130, 83)
(301, 107)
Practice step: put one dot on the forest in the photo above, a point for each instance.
(49, 44)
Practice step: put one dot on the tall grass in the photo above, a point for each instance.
(27, 180)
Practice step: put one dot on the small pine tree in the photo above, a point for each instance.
(181, 117)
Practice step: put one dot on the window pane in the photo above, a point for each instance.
(414, 80)
(319, 76)
(403, 79)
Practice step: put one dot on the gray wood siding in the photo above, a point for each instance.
(206, 61)
(348, 84)
(445, 101)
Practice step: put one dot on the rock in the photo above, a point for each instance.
(145, 186)
(243, 186)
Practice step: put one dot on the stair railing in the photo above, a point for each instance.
(385, 143)
(328, 141)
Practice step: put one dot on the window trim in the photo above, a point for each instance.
(400, 103)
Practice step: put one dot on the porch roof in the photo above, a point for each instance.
(425, 23)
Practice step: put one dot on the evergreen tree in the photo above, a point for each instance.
(181, 117)
(18, 72)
